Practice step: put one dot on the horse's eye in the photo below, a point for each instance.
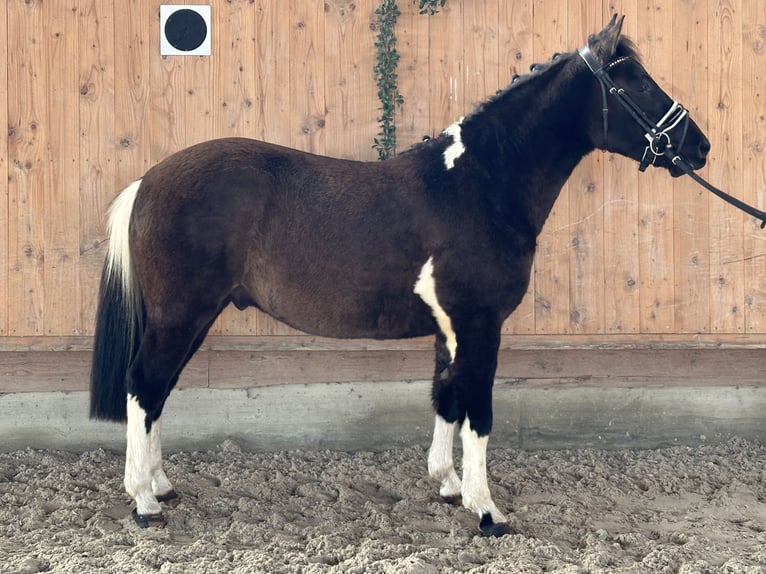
(645, 87)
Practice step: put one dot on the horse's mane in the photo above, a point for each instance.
(625, 48)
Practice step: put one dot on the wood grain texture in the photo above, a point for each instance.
(586, 209)
(413, 117)
(23, 372)
(131, 137)
(61, 197)
(272, 83)
(725, 109)
(754, 160)
(622, 275)
(350, 91)
(307, 76)
(552, 263)
(90, 105)
(481, 53)
(167, 111)
(28, 129)
(445, 67)
(691, 241)
(655, 188)
(4, 176)
(97, 159)
(515, 45)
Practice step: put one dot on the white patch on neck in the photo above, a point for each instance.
(456, 148)
(476, 494)
(425, 288)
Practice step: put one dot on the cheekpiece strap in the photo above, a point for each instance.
(590, 59)
(598, 70)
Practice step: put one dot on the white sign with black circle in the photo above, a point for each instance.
(184, 30)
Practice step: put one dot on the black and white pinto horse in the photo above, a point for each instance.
(437, 241)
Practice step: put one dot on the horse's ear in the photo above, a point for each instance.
(604, 44)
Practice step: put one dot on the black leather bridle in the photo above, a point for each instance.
(656, 133)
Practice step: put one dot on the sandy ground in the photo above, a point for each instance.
(675, 510)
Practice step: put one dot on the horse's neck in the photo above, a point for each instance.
(536, 155)
(539, 191)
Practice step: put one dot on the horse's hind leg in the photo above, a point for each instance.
(162, 488)
(161, 357)
(145, 479)
(139, 466)
(144, 453)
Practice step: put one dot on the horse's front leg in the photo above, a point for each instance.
(441, 465)
(476, 495)
(474, 376)
(462, 396)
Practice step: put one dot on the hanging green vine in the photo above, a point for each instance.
(387, 59)
(386, 78)
(430, 6)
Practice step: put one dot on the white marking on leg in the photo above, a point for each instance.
(441, 466)
(456, 148)
(160, 483)
(476, 496)
(138, 460)
(425, 288)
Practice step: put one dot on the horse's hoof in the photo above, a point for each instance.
(149, 520)
(489, 527)
(170, 498)
(454, 500)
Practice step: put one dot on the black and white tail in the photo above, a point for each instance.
(120, 316)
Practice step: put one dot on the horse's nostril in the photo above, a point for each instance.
(704, 147)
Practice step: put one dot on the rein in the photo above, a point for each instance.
(657, 134)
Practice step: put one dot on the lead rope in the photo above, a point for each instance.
(679, 161)
(654, 134)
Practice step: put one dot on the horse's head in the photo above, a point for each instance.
(642, 121)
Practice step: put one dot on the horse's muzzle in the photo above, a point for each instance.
(695, 160)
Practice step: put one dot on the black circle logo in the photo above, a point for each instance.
(185, 30)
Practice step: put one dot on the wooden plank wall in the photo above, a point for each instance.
(90, 105)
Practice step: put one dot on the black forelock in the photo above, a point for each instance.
(626, 48)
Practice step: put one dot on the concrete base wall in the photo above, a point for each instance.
(373, 416)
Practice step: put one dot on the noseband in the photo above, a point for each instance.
(657, 134)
